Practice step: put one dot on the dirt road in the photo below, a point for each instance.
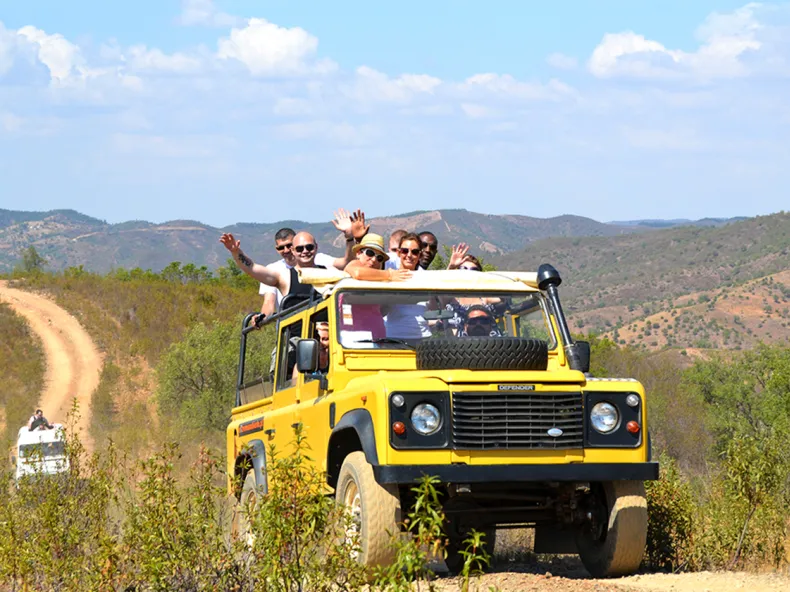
(73, 362)
(569, 576)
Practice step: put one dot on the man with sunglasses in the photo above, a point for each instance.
(430, 246)
(305, 249)
(353, 227)
(283, 243)
(479, 322)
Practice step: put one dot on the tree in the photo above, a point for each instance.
(31, 262)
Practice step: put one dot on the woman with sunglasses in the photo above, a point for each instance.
(366, 321)
(369, 263)
(406, 321)
(409, 251)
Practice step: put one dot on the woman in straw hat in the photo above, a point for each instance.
(369, 263)
(365, 321)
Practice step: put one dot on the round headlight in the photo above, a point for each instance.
(604, 417)
(426, 419)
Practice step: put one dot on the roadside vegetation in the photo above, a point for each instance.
(22, 372)
(110, 523)
(721, 427)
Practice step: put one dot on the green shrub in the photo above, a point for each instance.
(670, 508)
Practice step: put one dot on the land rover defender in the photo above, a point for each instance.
(511, 422)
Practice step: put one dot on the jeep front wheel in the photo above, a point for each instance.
(244, 511)
(375, 511)
(613, 542)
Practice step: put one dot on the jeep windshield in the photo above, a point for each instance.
(400, 319)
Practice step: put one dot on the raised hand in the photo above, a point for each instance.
(458, 255)
(231, 244)
(358, 228)
(343, 222)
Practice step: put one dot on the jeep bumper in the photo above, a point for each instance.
(461, 473)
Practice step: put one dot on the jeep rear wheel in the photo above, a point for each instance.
(614, 542)
(458, 526)
(375, 511)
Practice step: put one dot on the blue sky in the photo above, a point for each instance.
(231, 111)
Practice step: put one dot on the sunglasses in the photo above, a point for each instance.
(428, 247)
(470, 268)
(372, 253)
(309, 247)
(285, 246)
(405, 251)
(478, 321)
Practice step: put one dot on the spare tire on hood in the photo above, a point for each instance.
(482, 353)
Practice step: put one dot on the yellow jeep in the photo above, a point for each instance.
(405, 385)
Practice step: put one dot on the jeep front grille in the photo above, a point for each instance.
(483, 421)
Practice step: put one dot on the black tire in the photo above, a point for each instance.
(455, 544)
(458, 524)
(483, 353)
(616, 549)
(375, 510)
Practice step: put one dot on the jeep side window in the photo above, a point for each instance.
(286, 355)
(319, 330)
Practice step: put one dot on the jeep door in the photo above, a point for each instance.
(312, 409)
(279, 422)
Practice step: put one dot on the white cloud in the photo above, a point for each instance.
(7, 49)
(631, 54)
(139, 57)
(204, 13)
(508, 86)
(726, 39)
(268, 49)
(562, 61)
(372, 85)
(60, 56)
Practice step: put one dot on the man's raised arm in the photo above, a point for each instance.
(259, 272)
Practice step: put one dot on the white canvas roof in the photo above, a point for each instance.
(326, 281)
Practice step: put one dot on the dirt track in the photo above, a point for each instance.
(569, 576)
(73, 362)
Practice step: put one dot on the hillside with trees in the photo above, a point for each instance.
(628, 284)
(66, 238)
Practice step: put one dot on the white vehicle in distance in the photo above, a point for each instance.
(41, 452)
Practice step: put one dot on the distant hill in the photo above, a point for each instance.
(624, 282)
(67, 238)
(678, 222)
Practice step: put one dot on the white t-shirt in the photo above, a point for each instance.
(393, 262)
(406, 321)
(320, 259)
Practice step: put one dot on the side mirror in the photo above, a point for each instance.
(578, 354)
(13, 460)
(307, 355)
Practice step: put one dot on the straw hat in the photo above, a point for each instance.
(371, 241)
